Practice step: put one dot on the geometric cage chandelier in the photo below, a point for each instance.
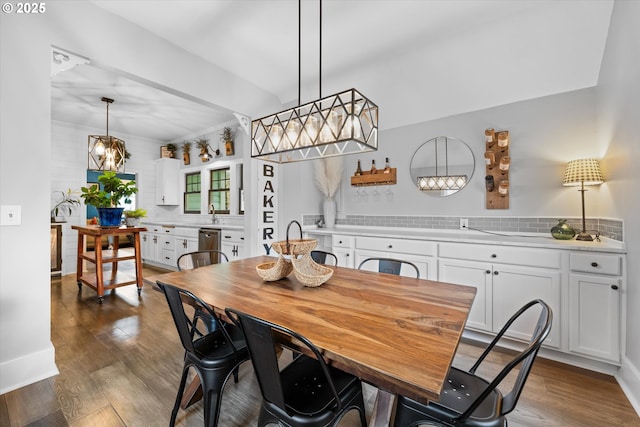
(340, 124)
(106, 152)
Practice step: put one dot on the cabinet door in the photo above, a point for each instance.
(594, 311)
(229, 249)
(167, 182)
(184, 245)
(240, 253)
(345, 256)
(513, 287)
(149, 243)
(473, 274)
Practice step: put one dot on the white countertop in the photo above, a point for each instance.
(187, 225)
(468, 236)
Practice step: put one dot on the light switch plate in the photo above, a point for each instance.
(10, 215)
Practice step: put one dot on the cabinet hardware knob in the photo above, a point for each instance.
(614, 287)
(494, 256)
(594, 264)
(495, 273)
(346, 254)
(390, 246)
(488, 271)
(340, 241)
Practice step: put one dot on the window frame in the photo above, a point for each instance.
(226, 189)
(187, 193)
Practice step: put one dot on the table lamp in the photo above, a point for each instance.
(583, 172)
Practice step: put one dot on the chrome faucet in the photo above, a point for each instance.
(214, 220)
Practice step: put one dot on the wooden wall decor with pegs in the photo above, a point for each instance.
(498, 165)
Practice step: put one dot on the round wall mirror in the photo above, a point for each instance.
(442, 166)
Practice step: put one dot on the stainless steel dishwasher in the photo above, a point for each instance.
(209, 239)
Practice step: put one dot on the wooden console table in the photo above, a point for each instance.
(99, 257)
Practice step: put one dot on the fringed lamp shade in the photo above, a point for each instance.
(581, 171)
(340, 124)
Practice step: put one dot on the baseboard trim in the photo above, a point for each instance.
(28, 369)
(629, 379)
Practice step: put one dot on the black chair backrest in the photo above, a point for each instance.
(390, 265)
(525, 358)
(323, 257)
(261, 337)
(200, 259)
(186, 325)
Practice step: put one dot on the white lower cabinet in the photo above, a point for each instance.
(186, 240)
(594, 305)
(502, 289)
(476, 275)
(232, 244)
(342, 247)
(418, 252)
(149, 246)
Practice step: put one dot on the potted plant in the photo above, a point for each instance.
(227, 137)
(186, 152)
(172, 149)
(106, 200)
(132, 218)
(65, 206)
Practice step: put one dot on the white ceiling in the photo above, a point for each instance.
(417, 59)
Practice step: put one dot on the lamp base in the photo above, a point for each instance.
(584, 236)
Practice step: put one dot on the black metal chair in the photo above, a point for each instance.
(305, 393)
(197, 259)
(323, 257)
(468, 400)
(200, 259)
(214, 356)
(390, 265)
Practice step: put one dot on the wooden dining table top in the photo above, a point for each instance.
(397, 333)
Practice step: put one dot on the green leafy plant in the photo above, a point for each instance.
(65, 206)
(114, 189)
(136, 213)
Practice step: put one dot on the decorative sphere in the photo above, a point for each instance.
(563, 231)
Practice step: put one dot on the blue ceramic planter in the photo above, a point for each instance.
(110, 217)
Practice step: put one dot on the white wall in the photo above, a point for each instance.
(618, 109)
(26, 353)
(545, 134)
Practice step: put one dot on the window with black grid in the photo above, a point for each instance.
(220, 190)
(192, 195)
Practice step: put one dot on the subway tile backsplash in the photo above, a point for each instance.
(607, 227)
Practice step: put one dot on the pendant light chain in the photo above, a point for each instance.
(320, 53)
(299, 46)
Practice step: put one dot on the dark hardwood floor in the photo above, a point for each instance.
(120, 365)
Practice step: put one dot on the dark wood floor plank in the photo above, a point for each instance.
(120, 364)
(104, 417)
(23, 409)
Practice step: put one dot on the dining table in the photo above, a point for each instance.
(397, 333)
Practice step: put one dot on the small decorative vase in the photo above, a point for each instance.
(562, 231)
(329, 211)
(110, 217)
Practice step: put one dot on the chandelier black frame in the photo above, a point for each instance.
(340, 124)
(106, 152)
